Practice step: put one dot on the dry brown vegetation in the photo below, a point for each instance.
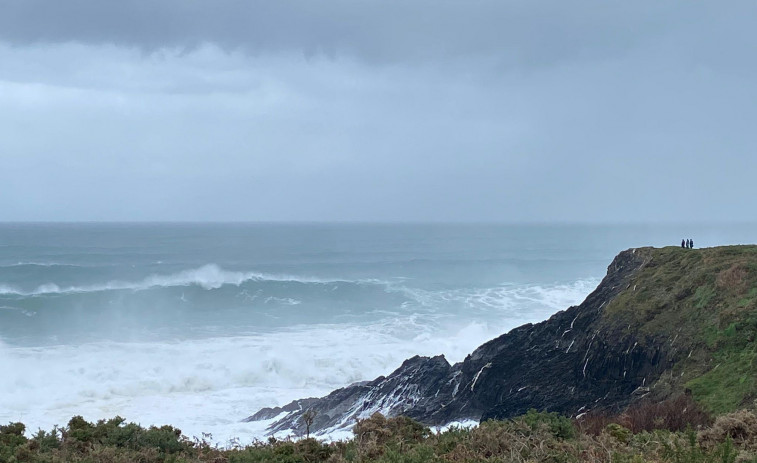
(534, 437)
(675, 414)
(732, 278)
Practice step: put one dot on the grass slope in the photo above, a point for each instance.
(701, 304)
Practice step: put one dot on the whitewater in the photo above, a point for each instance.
(200, 325)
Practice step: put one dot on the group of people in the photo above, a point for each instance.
(689, 243)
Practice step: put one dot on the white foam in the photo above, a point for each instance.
(38, 264)
(7, 289)
(282, 300)
(464, 424)
(208, 277)
(493, 311)
(209, 385)
(200, 386)
(506, 295)
(28, 313)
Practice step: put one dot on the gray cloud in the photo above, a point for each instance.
(360, 110)
(517, 31)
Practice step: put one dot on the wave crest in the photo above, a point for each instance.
(208, 277)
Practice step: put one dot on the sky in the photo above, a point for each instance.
(378, 110)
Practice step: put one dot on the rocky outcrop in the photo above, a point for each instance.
(411, 387)
(570, 363)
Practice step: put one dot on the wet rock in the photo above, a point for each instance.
(567, 364)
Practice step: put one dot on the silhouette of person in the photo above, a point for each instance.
(683, 243)
(691, 243)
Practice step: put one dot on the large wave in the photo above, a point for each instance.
(208, 277)
(173, 381)
(309, 336)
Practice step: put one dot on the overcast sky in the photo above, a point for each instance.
(362, 110)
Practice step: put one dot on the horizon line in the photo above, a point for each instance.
(378, 222)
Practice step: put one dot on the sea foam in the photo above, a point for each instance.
(211, 384)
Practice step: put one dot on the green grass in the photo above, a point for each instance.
(726, 386)
(731, 382)
(707, 300)
(703, 296)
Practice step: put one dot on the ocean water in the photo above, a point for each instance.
(200, 325)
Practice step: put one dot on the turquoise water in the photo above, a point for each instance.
(198, 325)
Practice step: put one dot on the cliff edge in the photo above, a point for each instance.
(661, 323)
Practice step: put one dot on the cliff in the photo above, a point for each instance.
(662, 322)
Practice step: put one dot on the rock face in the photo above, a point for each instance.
(571, 363)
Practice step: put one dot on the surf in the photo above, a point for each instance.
(208, 277)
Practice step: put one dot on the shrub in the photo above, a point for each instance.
(11, 440)
(312, 450)
(375, 434)
(740, 427)
(12, 434)
(44, 441)
(533, 437)
(675, 414)
(558, 425)
(618, 432)
(382, 430)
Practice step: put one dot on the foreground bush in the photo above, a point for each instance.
(534, 437)
(675, 414)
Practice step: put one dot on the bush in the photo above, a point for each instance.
(740, 427)
(558, 425)
(281, 451)
(385, 430)
(618, 432)
(11, 440)
(533, 437)
(676, 414)
(81, 436)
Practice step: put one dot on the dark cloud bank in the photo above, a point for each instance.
(364, 110)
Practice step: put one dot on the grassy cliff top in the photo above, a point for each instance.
(701, 304)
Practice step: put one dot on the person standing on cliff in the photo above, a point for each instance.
(683, 243)
(691, 243)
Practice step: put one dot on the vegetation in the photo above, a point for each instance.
(702, 303)
(534, 437)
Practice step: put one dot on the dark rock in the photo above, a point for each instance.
(269, 413)
(568, 364)
(411, 387)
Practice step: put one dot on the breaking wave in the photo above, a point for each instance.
(168, 381)
(208, 277)
(39, 264)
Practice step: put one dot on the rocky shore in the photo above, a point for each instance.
(621, 344)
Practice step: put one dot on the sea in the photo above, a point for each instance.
(199, 325)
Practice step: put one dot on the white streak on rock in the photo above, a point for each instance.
(571, 345)
(475, 378)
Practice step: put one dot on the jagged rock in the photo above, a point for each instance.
(574, 362)
(409, 387)
(270, 413)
